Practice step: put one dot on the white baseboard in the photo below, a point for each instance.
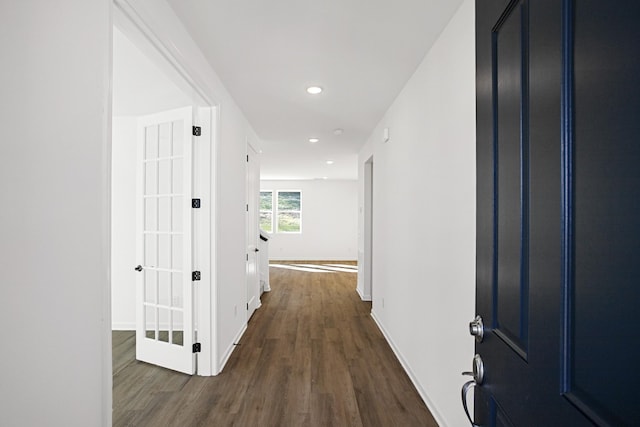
(229, 350)
(123, 326)
(412, 377)
(363, 297)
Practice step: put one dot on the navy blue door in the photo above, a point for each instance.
(558, 212)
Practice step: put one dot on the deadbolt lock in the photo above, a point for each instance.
(476, 328)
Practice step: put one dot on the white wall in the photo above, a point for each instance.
(329, 221)
(424, 219)
(55, 357)
(54, 224)
(123, 223)
(143, 81)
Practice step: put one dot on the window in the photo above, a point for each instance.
(266, 211)
(285, 209)
(288, 212)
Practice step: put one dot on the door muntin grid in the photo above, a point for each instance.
(165, 185)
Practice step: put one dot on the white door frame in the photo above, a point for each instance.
(128, 17)
(367, 283)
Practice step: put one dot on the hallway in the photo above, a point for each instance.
(311, 356)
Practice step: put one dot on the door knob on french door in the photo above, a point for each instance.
(138, 268)
(476, 328)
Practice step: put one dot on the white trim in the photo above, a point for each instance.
(253, 144)
(214, 320)
(171, 56)
(124, 326)
(363, 297)
(203, 163)
(107, 346)
(367, 217)
(230, 348)
(423, 394)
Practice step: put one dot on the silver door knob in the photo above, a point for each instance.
(478, 378)
(478, 370)
(138, 268)
(476, 328)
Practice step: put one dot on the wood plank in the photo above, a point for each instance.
(311, 356)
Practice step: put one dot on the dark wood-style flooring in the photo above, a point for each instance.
(311, 356)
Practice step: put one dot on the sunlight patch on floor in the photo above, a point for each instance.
(330, 268)
(300, 268)
(349, 266)
(318, 268)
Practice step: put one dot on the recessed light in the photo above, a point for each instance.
(338, 132)
(313, 140)
(325, 177)
(314, 90)
(329, 162)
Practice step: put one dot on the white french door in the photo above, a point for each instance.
(253, 193)
(164, 294)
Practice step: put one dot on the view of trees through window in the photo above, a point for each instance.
(286, 212)
(266, 211)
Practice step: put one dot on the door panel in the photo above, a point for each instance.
(253, 194)
(501, 419)
(558, 192)
(164, 302)
(604, 198)
(511, 305)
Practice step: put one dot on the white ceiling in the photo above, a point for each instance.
(361, 52)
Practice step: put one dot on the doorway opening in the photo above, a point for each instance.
(153, 291)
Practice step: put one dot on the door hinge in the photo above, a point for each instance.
(195, 203)
(247, 306)
(195, 276)
(247, 157)
(196, 347)
(196, 130)
(247, 207)
(247, 257)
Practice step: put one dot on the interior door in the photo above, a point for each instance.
(164, 297)
(253, 194)
(558, 195)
